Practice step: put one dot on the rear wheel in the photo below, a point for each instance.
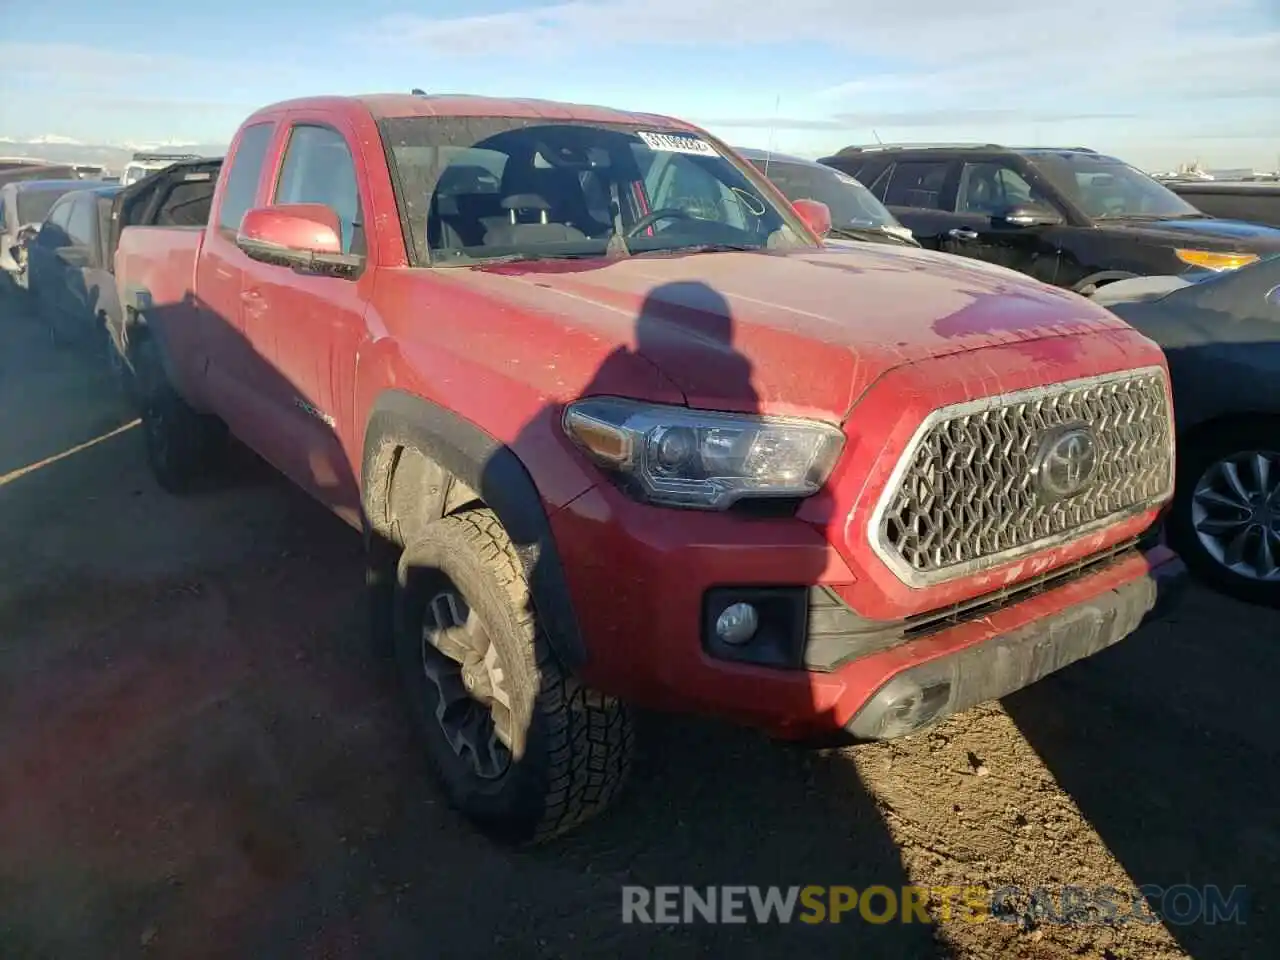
(1225, 519)
(519, 745)
(184, 448)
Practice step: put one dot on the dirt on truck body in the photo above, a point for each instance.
(620, 432)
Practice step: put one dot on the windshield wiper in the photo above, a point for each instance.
(706, 248)
(515, 258)
(1152, 217)
(872, 234)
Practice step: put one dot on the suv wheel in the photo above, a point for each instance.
(520, 747)
(184, 447)
(1226, 513)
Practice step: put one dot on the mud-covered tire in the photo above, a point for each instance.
(572, 746)
(185, 449)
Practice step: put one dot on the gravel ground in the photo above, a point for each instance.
(201, 757)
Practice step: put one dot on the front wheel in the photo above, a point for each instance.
(519, 745)
(1225, 519)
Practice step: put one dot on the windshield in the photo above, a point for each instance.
(851, 204)
(479, 188)
(1106, 189)
(34, 205)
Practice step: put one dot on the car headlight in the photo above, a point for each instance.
(1215, 260)
(677, 457)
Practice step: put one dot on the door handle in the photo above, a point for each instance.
(962, 233)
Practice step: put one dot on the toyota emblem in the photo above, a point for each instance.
(1065, 461)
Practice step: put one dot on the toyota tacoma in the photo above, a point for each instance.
(619, 431)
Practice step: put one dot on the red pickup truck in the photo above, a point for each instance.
(619, 431)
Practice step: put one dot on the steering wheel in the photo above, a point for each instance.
(649, 219)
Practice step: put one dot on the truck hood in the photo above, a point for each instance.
(1237, 235)
(799, 332)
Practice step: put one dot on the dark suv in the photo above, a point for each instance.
(1070, 217)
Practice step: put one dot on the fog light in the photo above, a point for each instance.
(914, 709)
(737, 624)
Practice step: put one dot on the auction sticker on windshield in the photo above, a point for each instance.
(677, 143)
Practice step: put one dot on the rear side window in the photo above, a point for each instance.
(242, 179)
(918, 184)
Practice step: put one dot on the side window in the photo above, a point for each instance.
(242, 180)
(3, 222)
(988, 188)
(80, 226)
(318, 168)
(917, 183)
(61, 214)
(53, 232)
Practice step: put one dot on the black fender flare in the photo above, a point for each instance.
(492, 470)
(1104, 276)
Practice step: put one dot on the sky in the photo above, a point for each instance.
(1159, 82)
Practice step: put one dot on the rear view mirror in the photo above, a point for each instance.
(304, 235)
(1027, 215)
(815, 214)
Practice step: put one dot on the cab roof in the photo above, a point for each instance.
(388, 105)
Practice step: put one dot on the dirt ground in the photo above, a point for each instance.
(201, 757)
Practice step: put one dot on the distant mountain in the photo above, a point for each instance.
(113, 156)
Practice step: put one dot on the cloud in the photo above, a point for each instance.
(985, 58)
(904, 118)
(766, 122)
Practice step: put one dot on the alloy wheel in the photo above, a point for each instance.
(473, 706)
(1235, 512)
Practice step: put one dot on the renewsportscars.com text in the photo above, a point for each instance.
(1178, 905)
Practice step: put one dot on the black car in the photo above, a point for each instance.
(1255, 200)
(855, 213)
(1070, 217)
(1221, 333)
(69, 273)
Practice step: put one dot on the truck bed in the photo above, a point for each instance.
(160, 261)
(156, 230)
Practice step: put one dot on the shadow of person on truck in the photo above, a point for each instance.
(713, 805)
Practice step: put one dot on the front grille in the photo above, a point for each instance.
(965, 494)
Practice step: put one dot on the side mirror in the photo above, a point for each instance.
(305, 235)
(1027, 215)
(815, 214)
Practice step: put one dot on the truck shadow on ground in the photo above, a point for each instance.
(214, 764)
(1164, 742)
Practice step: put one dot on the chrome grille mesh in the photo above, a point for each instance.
(964, 495)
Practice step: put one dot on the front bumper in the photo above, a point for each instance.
(647, 631)
(921, 695)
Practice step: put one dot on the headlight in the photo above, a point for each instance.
(1213, 260)
(677, 457)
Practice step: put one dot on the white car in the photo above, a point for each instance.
(145, 164)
